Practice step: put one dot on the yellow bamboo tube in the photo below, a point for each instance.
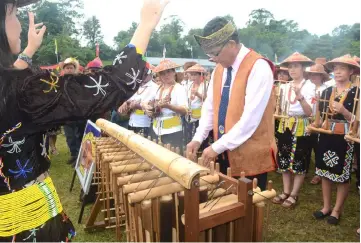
(175, 166)
(269, 194)
(146, 185)
(126, 162)
(167, 189)
(118, 157)
(147, 220)
(139, 177)
(131, 168)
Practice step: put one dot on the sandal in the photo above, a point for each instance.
(333, 220)
(290, 204)
(320, 214)
(279, 199)
(316, 180)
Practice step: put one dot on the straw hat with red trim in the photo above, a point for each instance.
(297, 58)
(70, 61)
(318, 69)
(165, 65)
(346, 59)
(196, 69)
(357, 59)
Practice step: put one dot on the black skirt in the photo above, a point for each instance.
(294, 153)
(334, 158)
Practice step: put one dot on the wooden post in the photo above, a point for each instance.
(191, 211)
(243, 231)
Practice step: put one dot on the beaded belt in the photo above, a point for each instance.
(169, 123)
(196, 113)
(338, 127)
(139, 112)
(297, 125)
(28, 208)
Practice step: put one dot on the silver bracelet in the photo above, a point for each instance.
(26, 59)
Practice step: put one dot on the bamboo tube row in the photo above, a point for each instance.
(153, 206)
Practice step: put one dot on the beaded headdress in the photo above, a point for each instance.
(210, 43)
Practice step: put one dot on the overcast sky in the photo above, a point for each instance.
(317, 16)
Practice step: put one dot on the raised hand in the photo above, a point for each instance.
(152, 11)
(35, 35)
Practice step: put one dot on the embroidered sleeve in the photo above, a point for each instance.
(48, 99)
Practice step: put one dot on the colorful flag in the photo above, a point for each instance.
(97, 50)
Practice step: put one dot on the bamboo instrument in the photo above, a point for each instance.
(169, 198)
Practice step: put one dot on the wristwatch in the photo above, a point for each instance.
(302, 98)
(25, 58)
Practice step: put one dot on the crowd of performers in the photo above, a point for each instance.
(225, 115)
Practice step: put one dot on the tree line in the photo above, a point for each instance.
(273, 38)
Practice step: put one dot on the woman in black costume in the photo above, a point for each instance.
(33, 102)
(334, 155)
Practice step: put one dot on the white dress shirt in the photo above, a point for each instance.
(145, 94)
(258, 92)
(178, 98)
(308, 91)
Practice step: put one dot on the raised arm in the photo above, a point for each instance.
(48, 100)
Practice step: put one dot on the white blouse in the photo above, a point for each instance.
(308, 91)
(178, 98)
(196, 103)
(145, 94)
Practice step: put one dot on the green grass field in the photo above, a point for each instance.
(285, 225)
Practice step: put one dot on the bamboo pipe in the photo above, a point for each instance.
(139, 177)
(105, 143)
(319, 130)
(143, 185)
(318, 116)
(110, 149)
(155, 216)
(166, 218)
(219, 192)
(261, 196)
(130, 168)
(110, 146)
(125, 162)
(175, 166)
(167, 189)
(107, 154)
(140, 222)
(118, 157)
(147, 220)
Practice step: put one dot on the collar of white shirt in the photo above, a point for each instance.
(240, 57)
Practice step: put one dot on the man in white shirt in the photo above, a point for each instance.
(240, 115)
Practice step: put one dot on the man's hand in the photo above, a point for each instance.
(192, 149)
(208, 156)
